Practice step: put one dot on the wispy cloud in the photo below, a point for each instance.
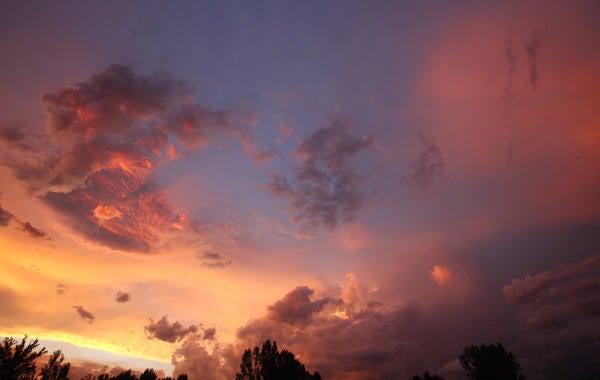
(84, 314)
(325, 189)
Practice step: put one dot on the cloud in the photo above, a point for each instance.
(324, 189)
(297, 307)
(209, 333)
(61, 289)
(213, 260)
(106, 137)
(6, 217)
(193, 359)
(555, 298)
(532, 48)
(168, 332)
(366, 343)
(32, 231)
(122, 297)
(441, 275)
(428, 165)
(84, 314)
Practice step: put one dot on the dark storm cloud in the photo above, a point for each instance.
(122, 297)
(213, 260)
(428, 165)
(168, 332)
(84, 314)
(106, 136)
(324, 189)
(555, 298)
(296, 307)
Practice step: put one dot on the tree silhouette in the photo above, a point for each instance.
(17, 360)
(149, 374)
(270, 364)
(426, 376)
(56, 368)
(490, 362)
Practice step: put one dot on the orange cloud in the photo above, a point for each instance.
(441, 275)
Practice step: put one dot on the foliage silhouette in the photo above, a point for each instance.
(149, 374)
(17, 360)
(426, 376)
(270, 364)
(490, 362)
(56, 368)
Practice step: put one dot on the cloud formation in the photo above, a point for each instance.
(168, 332)
(554, 298)
(84, 314)
(106, 137)
(61, 289)
(298, 306)
(122, 297)
(213, 260)
(324, 189)
(341, 341)
(428, 165)
(6, 217)
(441, 275)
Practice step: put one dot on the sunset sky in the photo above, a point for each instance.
(374, 185)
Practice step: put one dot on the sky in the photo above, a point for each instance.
(374, 185)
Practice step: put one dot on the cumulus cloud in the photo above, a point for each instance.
(298, 306)
(168, 332)
(122, 297)
(554, 298)
(193, 359)
(106, 137)
(324, 189)
(364, 344)
(5, 217)
(84, 314)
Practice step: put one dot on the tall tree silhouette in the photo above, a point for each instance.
(490, 362)
(270, 364)
(17, 360)
(56, 368)
(149, 374)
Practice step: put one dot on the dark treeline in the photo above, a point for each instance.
(19, 360)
